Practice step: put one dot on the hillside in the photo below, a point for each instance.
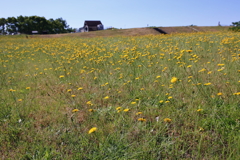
(189, 29)
(138, 31)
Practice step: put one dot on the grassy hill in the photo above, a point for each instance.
(151, 97)
(139, 31)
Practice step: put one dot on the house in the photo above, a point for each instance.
(91, 26)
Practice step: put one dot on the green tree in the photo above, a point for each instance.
(24, 24)
(3, 22)
(236, 26)
(11, 24)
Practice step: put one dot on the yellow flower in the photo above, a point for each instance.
(80, 88)
(138, 113)
(199, 110)
(161, 101)
(207, 84)
(170, 97)
(133, 102)
(12, 90)
(158, 76)
(89, 103)
(92, 130)
(220, 64)
(220, 69)
(61, 76)
(174, 79)
(75, 110)
(19, 100)
(107, 97)
(73, 96)
(142, 119)
(202, 70)
(238, 93)
(126, 110)
(91, 110)
(167, 120)
(69, 90)
(219, 94)
(189, 66)
(27, 87)
(118, 108)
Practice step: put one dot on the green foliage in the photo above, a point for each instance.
(236, 27)
(26, 25)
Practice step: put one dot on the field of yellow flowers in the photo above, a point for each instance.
(124, 97)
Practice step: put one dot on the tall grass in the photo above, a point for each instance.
(145, 97)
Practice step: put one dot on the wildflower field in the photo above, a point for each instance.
(124, 97)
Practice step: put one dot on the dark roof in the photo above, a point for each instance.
(92, 23)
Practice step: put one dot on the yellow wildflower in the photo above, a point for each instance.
(168, 120)
(61, 76)
(107, 97)
(202, 70)
(73, 95)
(89, 103)
(126, 110)
(219, 94)
(118, 108)
(238, 93)
(27, 87)
(142, 119)
(80, 88)
(75, 110)
(133, 102)
(91, 110)
(207, 84)
(161, 101)
(138, 113)
(199, 110)
(92, 130)
(174, 79)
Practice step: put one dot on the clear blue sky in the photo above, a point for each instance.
(128, 13)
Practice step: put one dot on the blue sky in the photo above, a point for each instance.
(128, 13)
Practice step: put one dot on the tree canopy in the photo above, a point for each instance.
(235, 26)
(26, 25)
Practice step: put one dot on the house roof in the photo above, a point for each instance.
(92, 23)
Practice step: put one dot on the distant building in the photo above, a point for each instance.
(91, 26)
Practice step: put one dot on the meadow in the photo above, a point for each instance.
(122, 97)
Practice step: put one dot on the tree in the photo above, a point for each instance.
(24, 24)
(3, 22)
(236, 26)
(11, 24)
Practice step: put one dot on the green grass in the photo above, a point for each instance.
(43, 80)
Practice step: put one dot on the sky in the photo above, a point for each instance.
(128, 13)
